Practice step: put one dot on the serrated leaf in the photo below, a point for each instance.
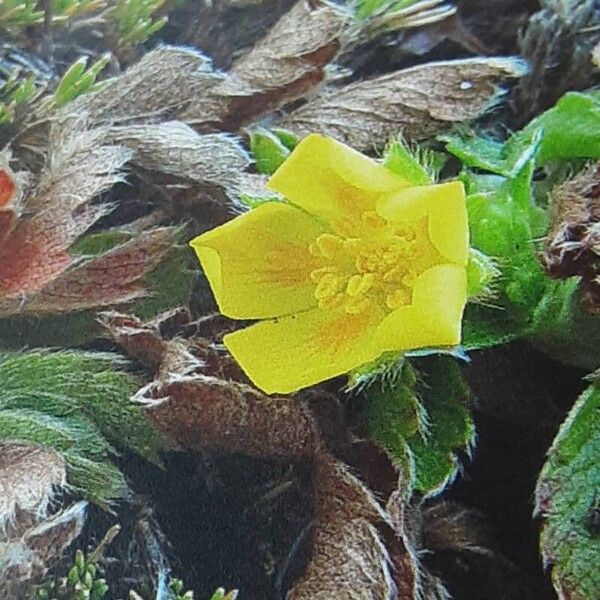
(493, 156)
(570, 130)
(567, 496)
(408, 164)
(76, 403)
(169, 285)
(423, 426)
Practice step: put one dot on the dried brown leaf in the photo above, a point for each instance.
(573, 242)
(57, 212)
(349, 560)
(29, 476)
(38, 275)
(164, 83)
(176, 149)
(27, 556)
(201, 411)
(199, 400)
(416, 103)
(112, 278)
(557, 42)
(288, 62)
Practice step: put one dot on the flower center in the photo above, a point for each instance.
(379, 267)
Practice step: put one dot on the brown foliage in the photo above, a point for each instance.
(416, 102)
(573, 243)
(30, 540)
(200, 400)
(37, 272)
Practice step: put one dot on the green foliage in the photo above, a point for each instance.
(368, 8)
(134, 20)
(15, 92)
(220, 594)
(19, 13)
(482, 272)
(78, 404)
(570, 130)
(78, 79)
(268, 150)
(423, 424)
(81, 583)
(16, 14)
(418, 166)
(507, 222)
(568, 498)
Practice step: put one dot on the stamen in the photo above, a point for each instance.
(360, 284)
(398, 298)
(327, 286)
(372, 219)
(354, 306)
(318, 274)
(330, 245)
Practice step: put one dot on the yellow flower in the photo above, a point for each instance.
(359, 262)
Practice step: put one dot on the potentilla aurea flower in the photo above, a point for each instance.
(358, 262)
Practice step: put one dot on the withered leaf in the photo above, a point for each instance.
(200, 411)
(29, 476)
(418, 102)
(200, 400)
(573, 241)
(176, 149)
(162, 84)
(37, 272)
(27, 555)
(112, 278)
(349, 560)
(289, 61)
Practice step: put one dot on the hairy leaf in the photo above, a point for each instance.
(417, 102)
(423, 427)
(29, 476)
(30, 547)
(567, 500)
(76, 403)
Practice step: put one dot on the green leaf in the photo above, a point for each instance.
(567, 497)
(490, 155)
(423, 424)
(415, 167)
(77, 403)
(563, 327)
(268, 150)
(486, 326)
(570, 130)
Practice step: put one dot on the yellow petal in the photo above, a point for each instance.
(258, 264)
(331, 180)
(294, 352)
(445, 207)
(434, 317)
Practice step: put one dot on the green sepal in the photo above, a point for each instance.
(422, 422)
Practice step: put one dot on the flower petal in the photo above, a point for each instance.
(293, 352)
(331, 180)
(434, 317)
(258, 264)
(445, 206)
